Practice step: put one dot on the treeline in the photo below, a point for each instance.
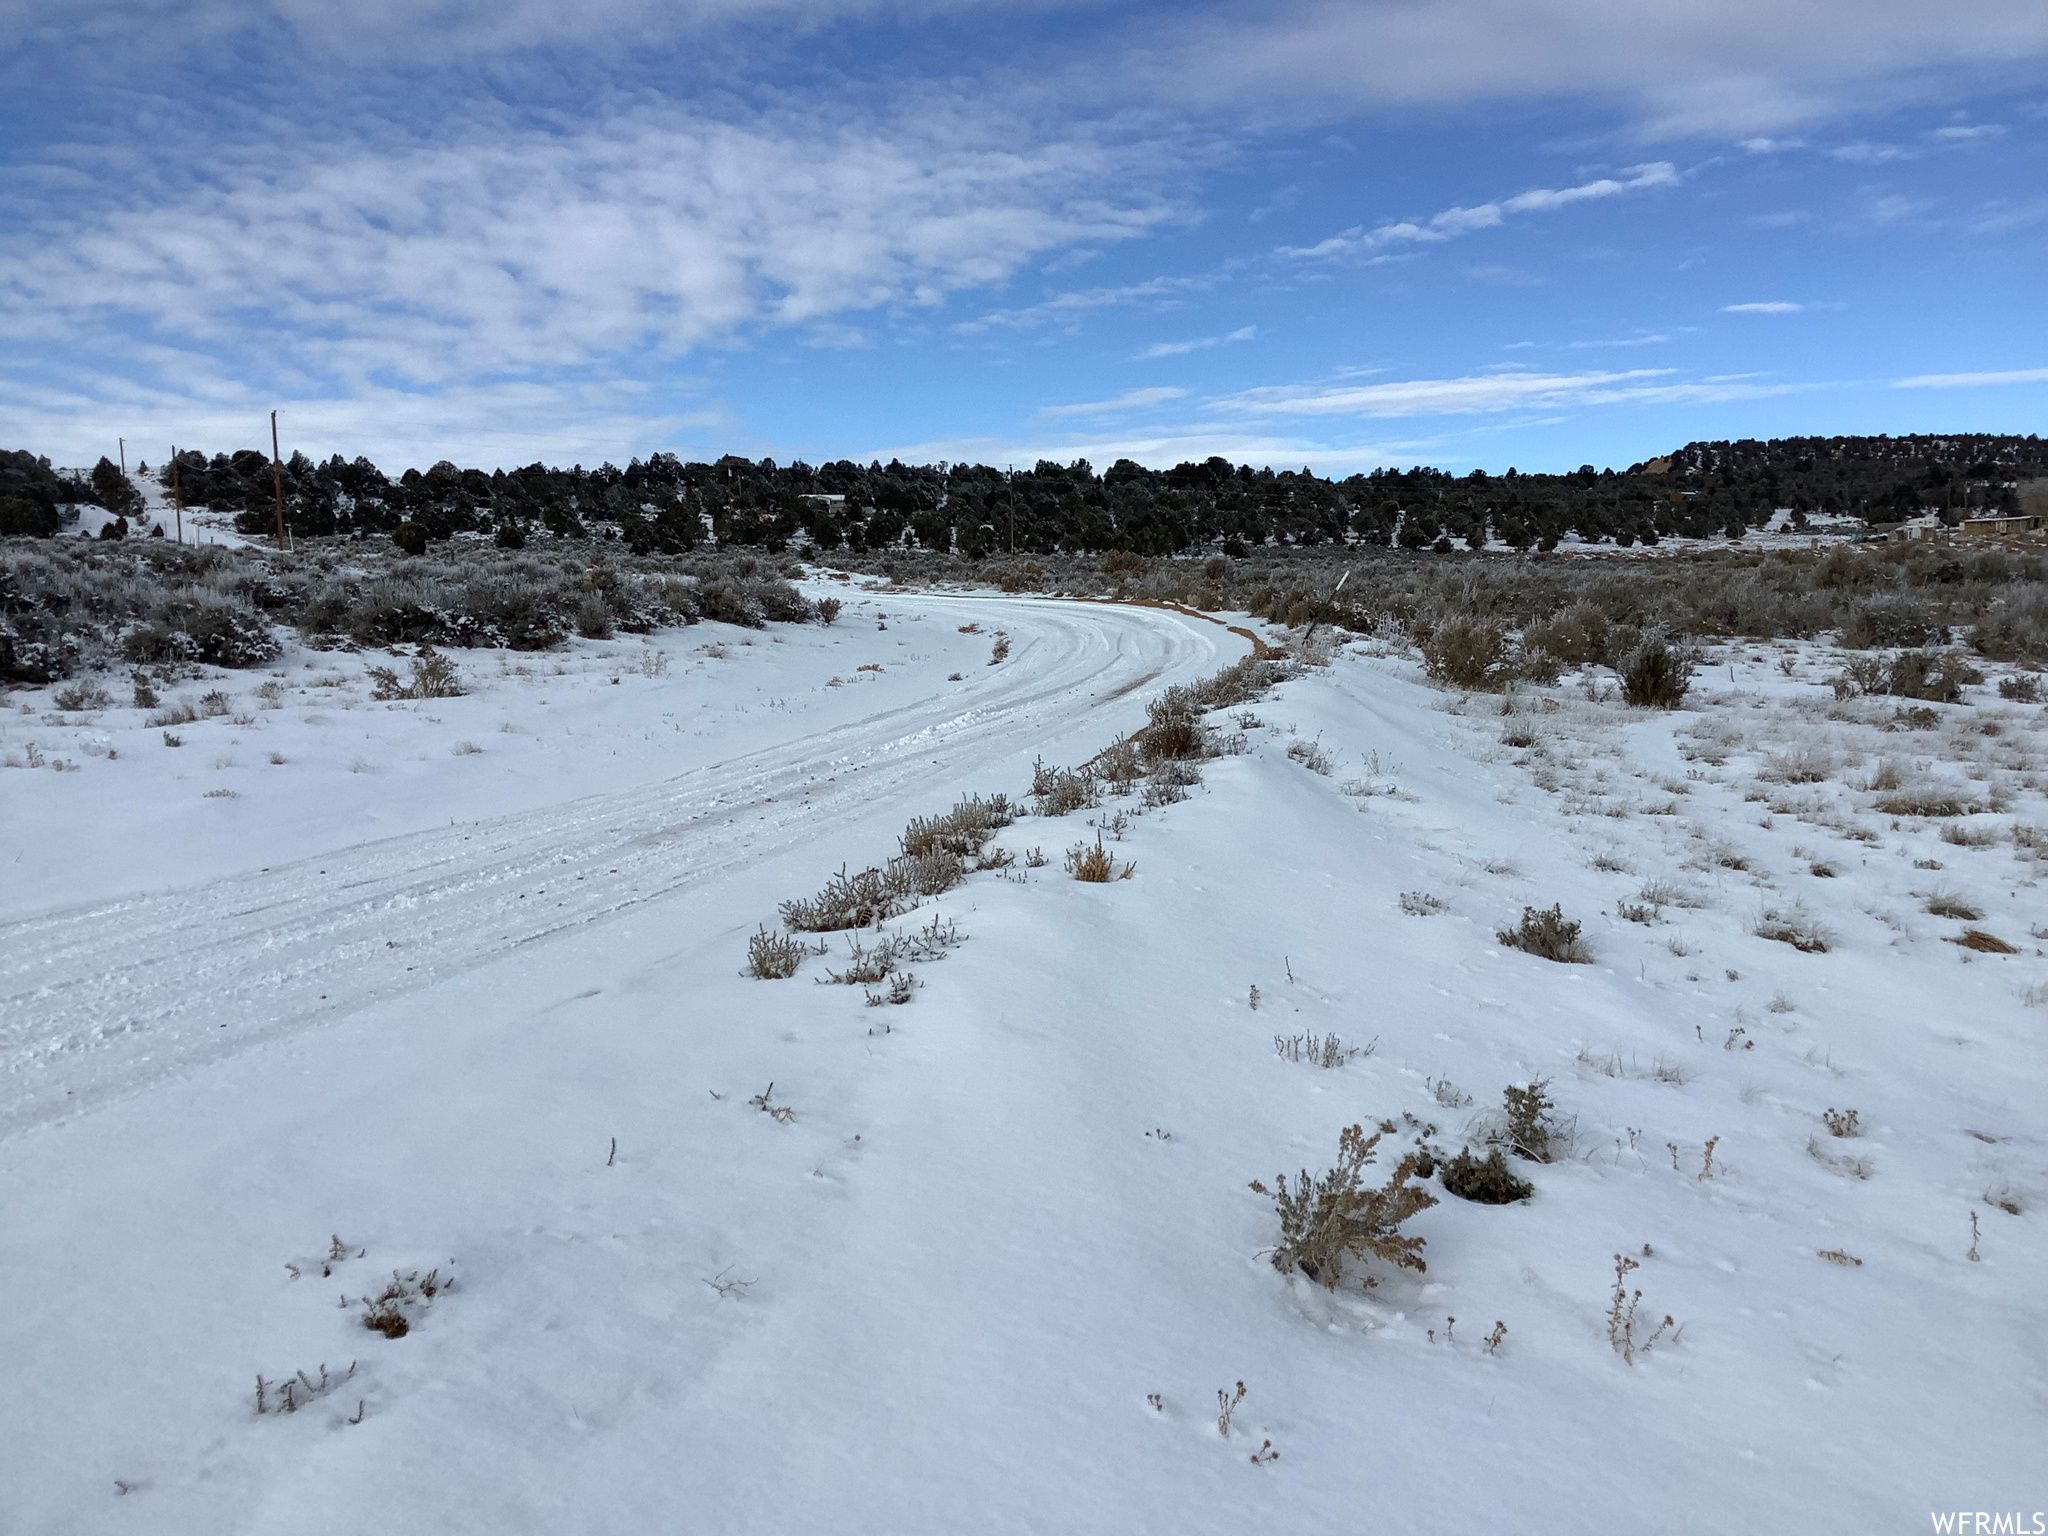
(666, 505)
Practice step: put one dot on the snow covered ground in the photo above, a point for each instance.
(743, 1255)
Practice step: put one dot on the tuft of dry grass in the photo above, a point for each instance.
(1796, 926)
(1927, 802)
(1097, 865)
(773, 956)
(1984, 943)
(1947, 903)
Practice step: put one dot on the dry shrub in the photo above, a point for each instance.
(962, 831)
(773, 956)
(1097, 865)
(1960, 836)
(1842, 1122)
(1174, 731)
(848, 901)
(1324, 1220)
(1310, 755)
(1466, 653)
(1547, 934)
(433, 677)
(82, 696)
(1805, 765)
(1529, 1127)
(1485, 1182)
(1936, 676)
(1169, 783)
(1927, 802)
(1656, 676)
(1060, 790)
(2022, 688)
(1575, 636)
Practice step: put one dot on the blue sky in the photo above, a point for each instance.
(1475, 233)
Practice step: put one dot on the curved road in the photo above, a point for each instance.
(109, 997)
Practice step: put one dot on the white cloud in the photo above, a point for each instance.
(1972, 380)
(645, 234)
(1490, 392)
(1738, 68)
(1453, 222)
(1129, 400)
(493, 425)
(1958, 134)
(1764, 307)
(1641, 339)
(1869, 154)
(1199, 344)
(1160, 292)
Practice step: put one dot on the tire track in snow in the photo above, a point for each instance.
(103, 999)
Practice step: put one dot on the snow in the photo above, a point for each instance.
(939, 1296)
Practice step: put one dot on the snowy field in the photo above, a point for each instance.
(454, 990)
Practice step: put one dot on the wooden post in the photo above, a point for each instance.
(177, 495)
(123, 451)
(277, 477)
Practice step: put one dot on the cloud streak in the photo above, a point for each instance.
(1199, 344)
(1359, 241)
(1973, 380)
(1129, 400)
(1478, 393)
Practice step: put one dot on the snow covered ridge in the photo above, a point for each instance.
(737, 1254)
(66, 607)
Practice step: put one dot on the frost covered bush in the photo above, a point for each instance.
(1169, 783)
(1796, 926)
(1575, 636)
(1336, 1215)
(1547, 934)
(1310, 755)
(1466, 653)
(74, 603)
(1936, 676)
(962, 831)
(82, 696)
(1656, 676)
(433, 677)
(848, 901)
(1173, 730)
(773, 956)
(1060, 790)
(1529, 1127)
(202, 627)
(873, 896)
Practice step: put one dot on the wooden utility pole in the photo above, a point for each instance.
(177, 495)
(123, 451)
(277, 478)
